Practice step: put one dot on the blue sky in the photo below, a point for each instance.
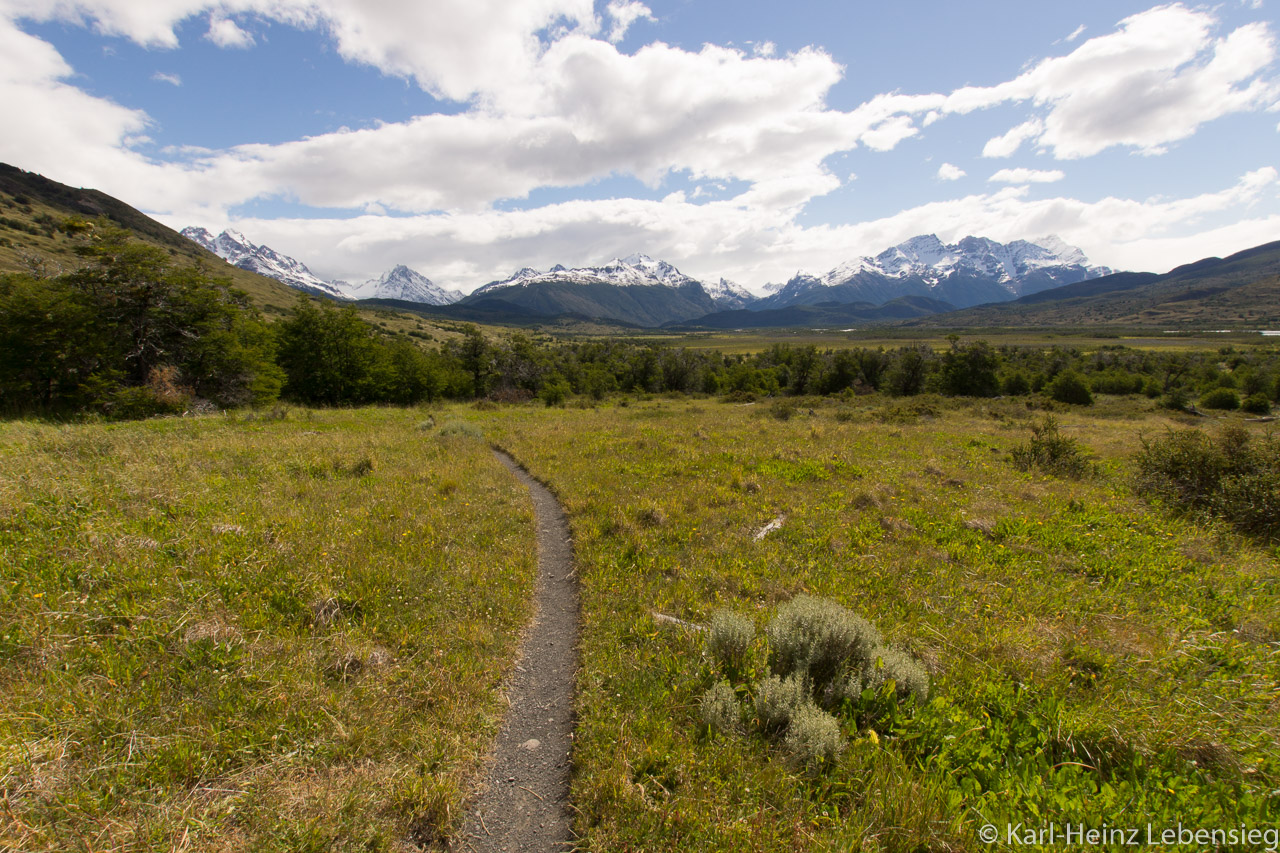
(744, 140)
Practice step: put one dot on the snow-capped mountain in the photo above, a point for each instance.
(636, 289)
(236, 249)
(399, 282)
(404, 284)
(633, 270)
(970, 272)
(728, 296)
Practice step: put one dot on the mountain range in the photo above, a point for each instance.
(399, 283)
(640, 290)
(928, 281)
(973, 271)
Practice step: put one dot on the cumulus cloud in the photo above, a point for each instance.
(225, 32)
(753, 245)
(1028, 176)
(948, 172)
(625, 13)
(1154, 81)
(548, 102)
(1008, 143)
(453, 50)
(166, 77)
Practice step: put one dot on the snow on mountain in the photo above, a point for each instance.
(631, 270)
(970, 272)
(405, 284)
(930, 259)
(238, 250)
(399, 282)
(636, 269)
(728, 296)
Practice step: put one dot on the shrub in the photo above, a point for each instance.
(462, 428)
(1175, 400)
(891, 664)
(555, 390)
(1256, 404)
(1015, 384)
(814, 738)
(1117, 382)
(1221, 398)
(818, 639)
(729, 640)
(783, 410)
(1051, 452)
(1232, 477)
(1070, 387)
(778, 699)
(720, 708)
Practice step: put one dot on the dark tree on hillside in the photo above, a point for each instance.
(130, 334)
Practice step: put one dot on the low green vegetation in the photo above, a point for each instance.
(282, 630)
(824, 663)
(1233, 476)
(1091, 654)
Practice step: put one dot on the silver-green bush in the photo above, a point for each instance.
(890, 663)
(729, 640)
(819, 639)
(814, 738)
(720, 708)
(462, 428)
(778, 699)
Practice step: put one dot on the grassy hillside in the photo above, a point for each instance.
(280, 632)
(33, 207)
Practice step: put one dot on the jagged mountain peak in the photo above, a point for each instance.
(970, 271)
(236, 249)
(405, 284)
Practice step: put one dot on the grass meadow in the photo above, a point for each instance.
(289, 633)
(1094, 660)
(281, 631)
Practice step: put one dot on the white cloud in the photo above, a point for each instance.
(225, 32)
(453, 50)
(165, 77)
(625, 13)
(948, 172)
(1154, 81)
(1076, 33)
(753, 245)
(1007, 144)
(1028, 176)
(563, 110)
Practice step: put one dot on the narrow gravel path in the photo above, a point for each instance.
(524, 804)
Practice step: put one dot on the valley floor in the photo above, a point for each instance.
(290, 632)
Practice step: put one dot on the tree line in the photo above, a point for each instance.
(130, 334)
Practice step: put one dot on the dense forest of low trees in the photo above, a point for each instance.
(130, 335)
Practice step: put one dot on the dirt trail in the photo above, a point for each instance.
(524, 804)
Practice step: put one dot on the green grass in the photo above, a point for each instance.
(251, 632)
(266, 633)
(1093, 659)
